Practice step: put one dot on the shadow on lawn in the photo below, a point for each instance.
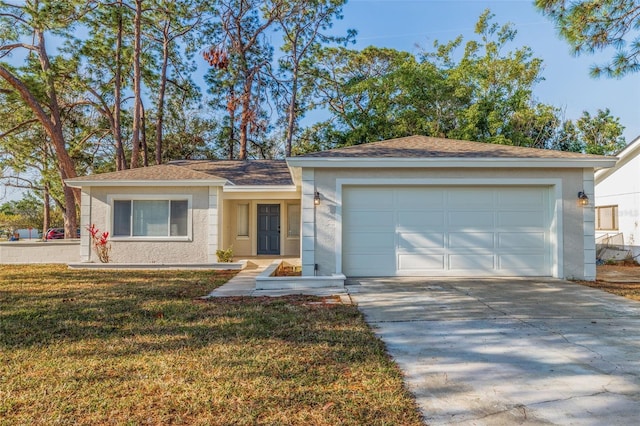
(119, 315)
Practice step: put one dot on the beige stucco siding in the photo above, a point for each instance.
(165, 250)
(570, 244)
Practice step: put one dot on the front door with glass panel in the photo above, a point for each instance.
(269, 229)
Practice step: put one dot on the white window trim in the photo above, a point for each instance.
(151, 197)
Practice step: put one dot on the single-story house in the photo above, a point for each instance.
(617, 200)
(413, 206)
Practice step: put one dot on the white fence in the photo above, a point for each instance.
(52, 251)
(612, 247)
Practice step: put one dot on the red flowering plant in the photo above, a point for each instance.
(100, 242)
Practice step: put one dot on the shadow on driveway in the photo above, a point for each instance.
(509, 351)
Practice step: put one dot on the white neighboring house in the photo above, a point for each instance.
(617, 199)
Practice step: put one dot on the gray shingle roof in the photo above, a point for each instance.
(428, 147)
(162, 172)
(251, 172)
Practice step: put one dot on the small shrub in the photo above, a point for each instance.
(100, 242)
(225, 256)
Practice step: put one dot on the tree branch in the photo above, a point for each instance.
(8, 132)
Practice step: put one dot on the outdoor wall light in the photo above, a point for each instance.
(583, 200)
(316, 198)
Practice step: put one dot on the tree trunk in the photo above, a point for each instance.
(143, 136)
(137, 51)
(46, 213)
(161, 91)
(246, 116)
(121, 160)
(291, 113)
(231, 107)
(52, 126)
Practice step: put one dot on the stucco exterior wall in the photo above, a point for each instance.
(162, 250)
(573, 261)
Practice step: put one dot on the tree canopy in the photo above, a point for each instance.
(95, 86)
(594, 25)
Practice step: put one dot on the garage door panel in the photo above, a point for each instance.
(531, 264)
(521, 219)
(369, 265)
(522, 240)
(474, 240)
(520, 197)
(416, 241)
(374, 198)
(446, 231)
(471, 219)
(469, 198)
(472, 262)
(370, 242)
(419, 220)
(421, 262)
(370, 220)
(420, 198)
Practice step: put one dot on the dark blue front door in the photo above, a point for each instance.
(268, 228)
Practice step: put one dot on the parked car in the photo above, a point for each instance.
(58, 233)
(55, 234)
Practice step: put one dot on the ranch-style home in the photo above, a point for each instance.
(413, 206)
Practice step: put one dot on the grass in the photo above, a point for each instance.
(138, 347)
(628, 290)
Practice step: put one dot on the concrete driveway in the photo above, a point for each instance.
(509, 351)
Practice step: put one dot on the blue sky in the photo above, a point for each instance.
(404, 24)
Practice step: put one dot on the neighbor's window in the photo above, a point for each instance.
(243, 220)
(150, 218)
(293, 220)
(607, 218)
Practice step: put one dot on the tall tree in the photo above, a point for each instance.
(35, 20)
(593, 25)
(244, 54)
(499, 84)
(601, 133)
(483, 94)
(304, 25)
(170, 23)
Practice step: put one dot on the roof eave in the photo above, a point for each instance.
(449, 162)
(260, 188)
(150, 183)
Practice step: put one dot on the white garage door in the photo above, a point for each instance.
(446, 231)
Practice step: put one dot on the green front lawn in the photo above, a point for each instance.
(139, 347)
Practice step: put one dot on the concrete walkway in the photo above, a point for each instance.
(244, 283)
(509, 351)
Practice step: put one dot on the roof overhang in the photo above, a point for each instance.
(79, 183)
(333, 162)
(259, 188)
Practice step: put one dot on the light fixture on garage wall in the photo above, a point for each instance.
(316, 198)
(583, 200)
